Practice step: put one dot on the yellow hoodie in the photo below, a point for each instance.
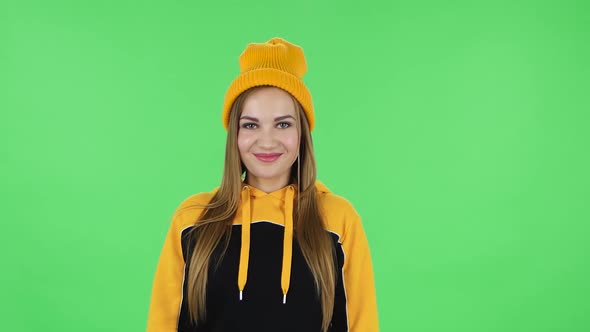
(263, 282)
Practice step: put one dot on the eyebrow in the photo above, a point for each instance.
(278, 118)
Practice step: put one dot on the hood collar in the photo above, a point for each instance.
(280, 193)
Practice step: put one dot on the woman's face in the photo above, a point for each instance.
(268, 138)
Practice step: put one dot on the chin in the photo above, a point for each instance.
(267, 174)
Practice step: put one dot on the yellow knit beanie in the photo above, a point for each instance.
(276, 62)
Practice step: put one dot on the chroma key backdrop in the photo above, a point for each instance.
(459, 130)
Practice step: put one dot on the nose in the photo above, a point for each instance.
(266, 139)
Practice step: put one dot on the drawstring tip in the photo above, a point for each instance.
(240, 295)
(284, 298)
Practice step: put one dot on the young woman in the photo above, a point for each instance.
(271, 248)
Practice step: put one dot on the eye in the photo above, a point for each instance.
(284, 125)
(249, 125)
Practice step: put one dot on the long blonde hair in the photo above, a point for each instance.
(213, 227)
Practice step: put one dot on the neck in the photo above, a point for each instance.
(267, 185)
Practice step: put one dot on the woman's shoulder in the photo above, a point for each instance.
(339, 213)
(191, 207)
(331, 200)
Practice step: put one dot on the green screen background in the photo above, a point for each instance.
(458, 129)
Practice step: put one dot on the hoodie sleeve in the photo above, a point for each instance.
(358, 277)
(167, 286)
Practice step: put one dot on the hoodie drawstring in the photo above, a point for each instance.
(287, 241)
(245, 249)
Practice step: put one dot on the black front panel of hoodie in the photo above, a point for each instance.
(261, 308)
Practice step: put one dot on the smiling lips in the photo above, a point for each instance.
(267, 157)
